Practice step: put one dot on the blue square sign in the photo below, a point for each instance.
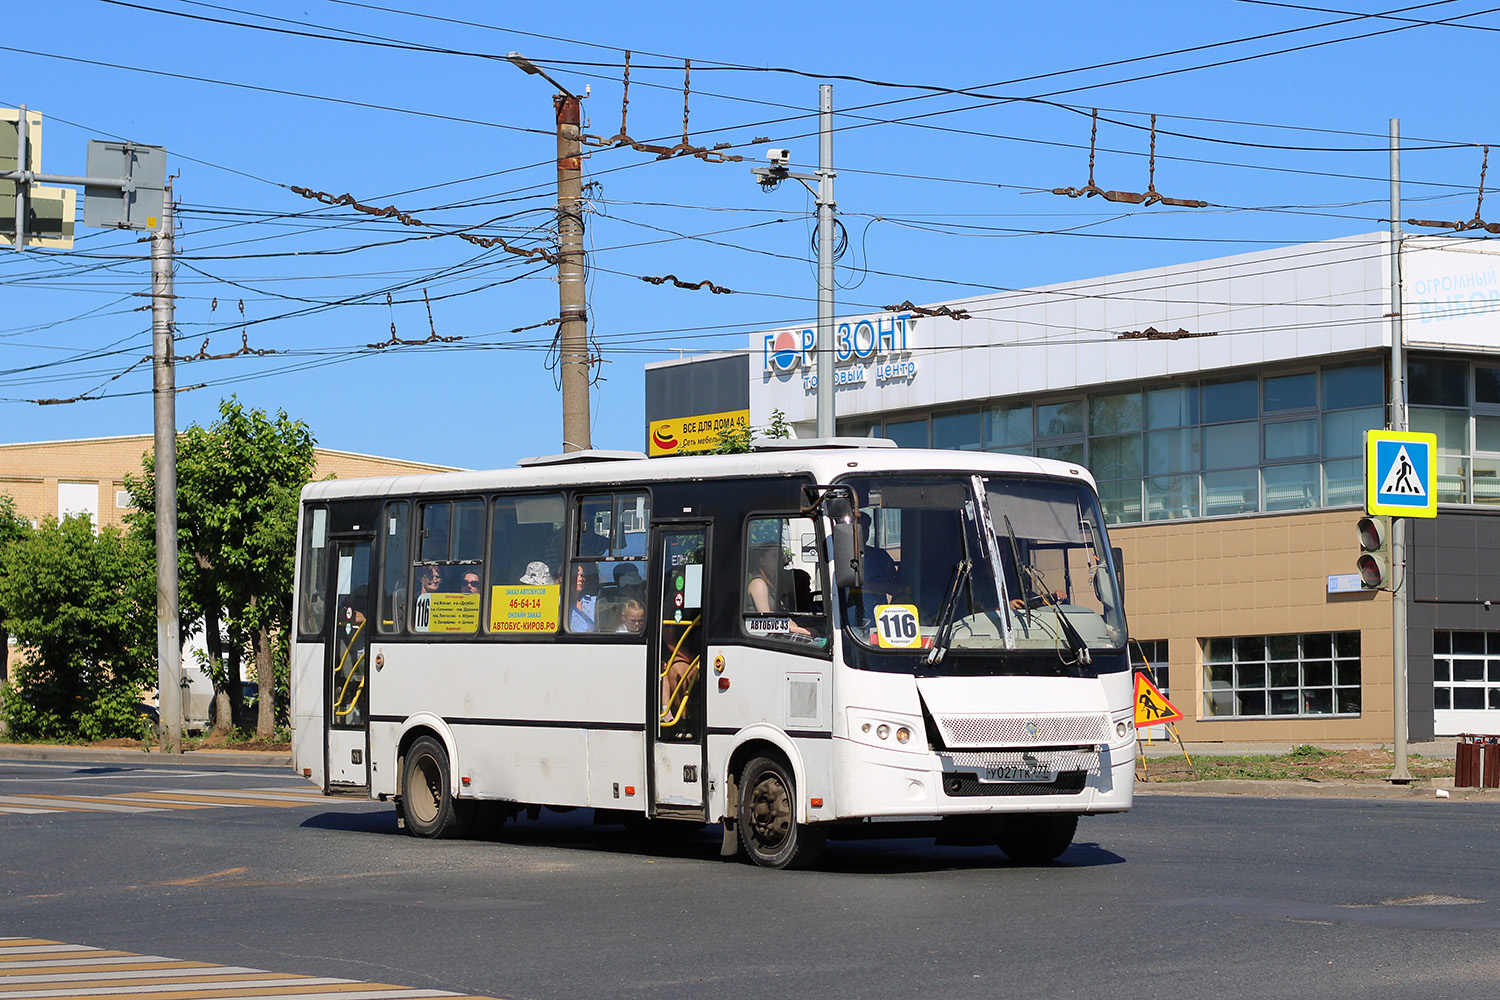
(1400, 473)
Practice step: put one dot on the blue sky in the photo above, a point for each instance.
(942, 195)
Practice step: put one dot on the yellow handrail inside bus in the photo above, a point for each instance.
(353, 669)
(670, 716)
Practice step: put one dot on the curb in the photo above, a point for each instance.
(248, 758)
(1285, 789)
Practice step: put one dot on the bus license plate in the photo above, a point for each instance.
(1018, 772)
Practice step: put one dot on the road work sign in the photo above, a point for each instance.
(1400, 473)
(1151, 706)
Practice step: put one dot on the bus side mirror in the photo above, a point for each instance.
(847, 547)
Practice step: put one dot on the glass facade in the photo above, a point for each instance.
(1216, 448)
(1465, 671)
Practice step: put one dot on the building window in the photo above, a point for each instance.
(1465, 671)
(1151, 655)
(1256, 677)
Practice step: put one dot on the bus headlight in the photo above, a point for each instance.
(1121, 728)
(903, 735)
(882, 730)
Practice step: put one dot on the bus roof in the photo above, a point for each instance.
(822, 464)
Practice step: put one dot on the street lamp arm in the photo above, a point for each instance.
(525, 65)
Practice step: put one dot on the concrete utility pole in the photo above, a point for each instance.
(572, 340)
(1399, 774)
(573, 343)
(168, 641)
(826, 208)
(769, 178)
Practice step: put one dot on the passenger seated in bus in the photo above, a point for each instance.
(679, 671)
(430, 581)
(798, 593)
(583, 598)
(628, 580)
(632, 617)
(537, 575)
(762, 591)
(470, 583)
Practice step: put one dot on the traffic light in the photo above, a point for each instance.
(1375, 552)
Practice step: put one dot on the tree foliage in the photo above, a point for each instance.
(740, 440)
(13, 528)
(238, 482)
(80, 606)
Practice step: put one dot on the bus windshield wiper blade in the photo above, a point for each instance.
(942, 634)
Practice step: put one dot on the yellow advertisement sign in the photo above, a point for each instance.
(453, 613)
(685, 435)
(516, 608)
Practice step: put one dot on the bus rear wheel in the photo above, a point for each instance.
(427, 802)
(1035, 838)
(768, 829)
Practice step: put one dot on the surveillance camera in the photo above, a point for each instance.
(779, 157)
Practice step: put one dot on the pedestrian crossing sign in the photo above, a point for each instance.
(1400, 473)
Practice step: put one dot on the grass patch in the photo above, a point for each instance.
(1303, 763)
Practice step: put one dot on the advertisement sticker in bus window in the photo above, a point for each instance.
(692, 586)
(525, 609)
(319, 527)
(761, 626)
(897, 626)
(453, 612)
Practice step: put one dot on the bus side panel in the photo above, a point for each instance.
(616, 765)
(307, 710)
(523, 716)
(790, 693)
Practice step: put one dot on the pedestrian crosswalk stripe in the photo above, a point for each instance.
(164, 800)
(53, 970)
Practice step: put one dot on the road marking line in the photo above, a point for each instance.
(214, 798)
(83, 805)
(84, 965)
(101, 799)
(140, 975)
(81, 972)
(232, 987)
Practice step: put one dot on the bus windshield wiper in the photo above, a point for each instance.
(1032, 581)
(942, 635)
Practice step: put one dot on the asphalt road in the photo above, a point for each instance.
(1186, 896)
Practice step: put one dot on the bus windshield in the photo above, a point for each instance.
(955, 563)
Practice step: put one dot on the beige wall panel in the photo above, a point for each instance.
(1260, 575)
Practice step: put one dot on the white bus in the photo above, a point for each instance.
(810, 640)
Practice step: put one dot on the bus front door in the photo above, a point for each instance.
(347, 673)
(676, 689)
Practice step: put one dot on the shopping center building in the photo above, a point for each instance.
(1221, 406)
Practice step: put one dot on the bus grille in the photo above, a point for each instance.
(1021, 731)
(1061, 761)
(959, 784)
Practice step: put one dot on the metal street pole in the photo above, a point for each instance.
(826, 209)
(21, 190)
(168, 641)
(573, 346)
(1399, 773)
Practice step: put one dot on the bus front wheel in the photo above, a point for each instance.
(427, 802)
(1035, 838)
(768, 829)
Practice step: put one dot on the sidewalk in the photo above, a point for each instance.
(1444, 749)
(126, 755)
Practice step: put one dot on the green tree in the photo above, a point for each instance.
(13, 528)
(80, 606)
(739, 440)
(237, 488)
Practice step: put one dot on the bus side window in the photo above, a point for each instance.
(447, 576)
(395, 539)
(604, 591)
(525, 560)
(314, 569)
(783, 589)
